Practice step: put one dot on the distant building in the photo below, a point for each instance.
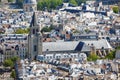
(30, 5)
(108, 2)
(13, 45)
(10, 51)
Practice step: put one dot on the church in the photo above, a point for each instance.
(36, 46)
(37, 49)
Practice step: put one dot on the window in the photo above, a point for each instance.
(47, 57)
(35, 48)
(65, 56)
(74, 55)
(33, 31)
(31, 9)
(50, 57)
(37, 30)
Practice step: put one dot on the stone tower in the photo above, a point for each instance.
(34, 39)
(29, 5)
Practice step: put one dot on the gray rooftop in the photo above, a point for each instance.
(75, 45)
(65, 46)
(99, 43)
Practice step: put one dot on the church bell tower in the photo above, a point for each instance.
(34, 39)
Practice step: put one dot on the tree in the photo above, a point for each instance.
(111, 55)
(2, 32)
(115, 9)
(14, 59)
(22, 31)
(48, 4)
(76, 31)
(8, 63)
(13, 74)
(87, 30)
(118, 48)
(73, 2)
(47, 29)
(92, 57)
(52, 27)
(10, 0)
(66, 1)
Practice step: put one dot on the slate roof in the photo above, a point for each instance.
(34, 20)
(81, 46)
(99, 43)
(65, 46)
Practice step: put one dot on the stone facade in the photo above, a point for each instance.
(34, 39)
(30, 5)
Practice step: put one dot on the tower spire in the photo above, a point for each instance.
(34, 20)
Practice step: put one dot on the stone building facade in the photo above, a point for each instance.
(30, 5)
(34, 39)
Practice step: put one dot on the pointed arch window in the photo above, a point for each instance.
(35, 48)
(33, 31)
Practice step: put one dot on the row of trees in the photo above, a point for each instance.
(11, 0)
(22, 31)
(75, 2)
(49, 4)
(52, 4)
(94, 57)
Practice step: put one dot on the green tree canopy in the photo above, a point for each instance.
(22, 31)
(73, 2)
(115, 9)
(48, 4)
(92, 57)
(13, 74)
(52, 4)
(10, 0)
(47, 29)
(118, 48)
(14, 59)
(111, 55)
(8, 63)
